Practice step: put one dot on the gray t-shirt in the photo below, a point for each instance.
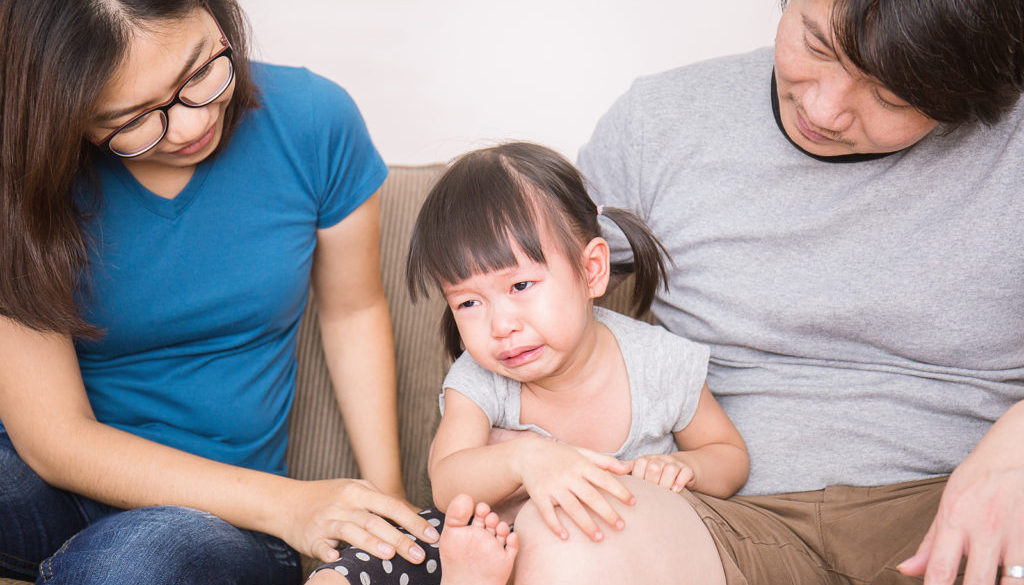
(865, 319)
(665, 371)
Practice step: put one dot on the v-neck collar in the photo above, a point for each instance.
(162, 206)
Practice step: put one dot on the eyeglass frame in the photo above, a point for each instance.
(176, 96)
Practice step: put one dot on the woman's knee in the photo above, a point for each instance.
(35, 518)
(166, 544)
(661, 525)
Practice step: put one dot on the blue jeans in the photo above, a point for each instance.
(57, 537)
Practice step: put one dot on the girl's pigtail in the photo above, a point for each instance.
(649, 257)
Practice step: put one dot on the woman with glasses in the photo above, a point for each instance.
(164, 203)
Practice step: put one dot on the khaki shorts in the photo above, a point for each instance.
(837, 536)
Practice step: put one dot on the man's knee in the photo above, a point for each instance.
(661, 525)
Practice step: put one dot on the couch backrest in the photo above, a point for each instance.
(318, 447)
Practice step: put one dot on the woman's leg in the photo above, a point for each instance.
(170, 545)
(664, 542)
(35, 518)
(58, 537)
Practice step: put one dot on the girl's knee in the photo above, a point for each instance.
(327, 577)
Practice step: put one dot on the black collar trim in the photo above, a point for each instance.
(841, 158)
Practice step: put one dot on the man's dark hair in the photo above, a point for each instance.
(956, 61)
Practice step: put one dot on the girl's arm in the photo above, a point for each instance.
(356, 329)
(461, 461)
(712, 456)
(46, 412)
(553, 474)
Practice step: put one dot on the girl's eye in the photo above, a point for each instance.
(521, 286)
(466, 304)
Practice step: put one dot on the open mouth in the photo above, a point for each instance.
(518, 357)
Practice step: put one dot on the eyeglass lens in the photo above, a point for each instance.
(203, 87)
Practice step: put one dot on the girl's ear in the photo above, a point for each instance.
(597, 267)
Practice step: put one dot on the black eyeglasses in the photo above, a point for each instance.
(207, 83)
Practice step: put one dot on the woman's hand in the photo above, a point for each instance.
(665, 470)
(323, 514)
(981, 514)
(556, 474)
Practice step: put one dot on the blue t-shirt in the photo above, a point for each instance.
(200, 296)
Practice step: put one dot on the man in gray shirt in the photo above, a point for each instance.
(846, 217)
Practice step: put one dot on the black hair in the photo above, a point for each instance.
(494, 201)
(955, 61)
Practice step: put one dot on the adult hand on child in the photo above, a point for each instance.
(320, 515)
(981, 513)
(666, 470)
(572, 477)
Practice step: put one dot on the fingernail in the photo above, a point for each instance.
(564, 535)
(431, 533)
(620, 525)
(598, 537)
(385, 550)
(416, 553)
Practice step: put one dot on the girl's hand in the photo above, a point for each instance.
(556, 474)
(322, 514)
(665, 470)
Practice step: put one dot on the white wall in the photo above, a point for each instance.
(434, 78)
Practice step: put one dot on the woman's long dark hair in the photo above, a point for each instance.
(55, 58)
(493, 201)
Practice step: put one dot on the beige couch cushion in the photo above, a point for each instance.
(318, 448)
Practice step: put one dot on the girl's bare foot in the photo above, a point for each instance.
(477, 552)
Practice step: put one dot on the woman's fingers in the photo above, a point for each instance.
(326, 550)
(376, 536)
(355, 512)
(395, 509)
